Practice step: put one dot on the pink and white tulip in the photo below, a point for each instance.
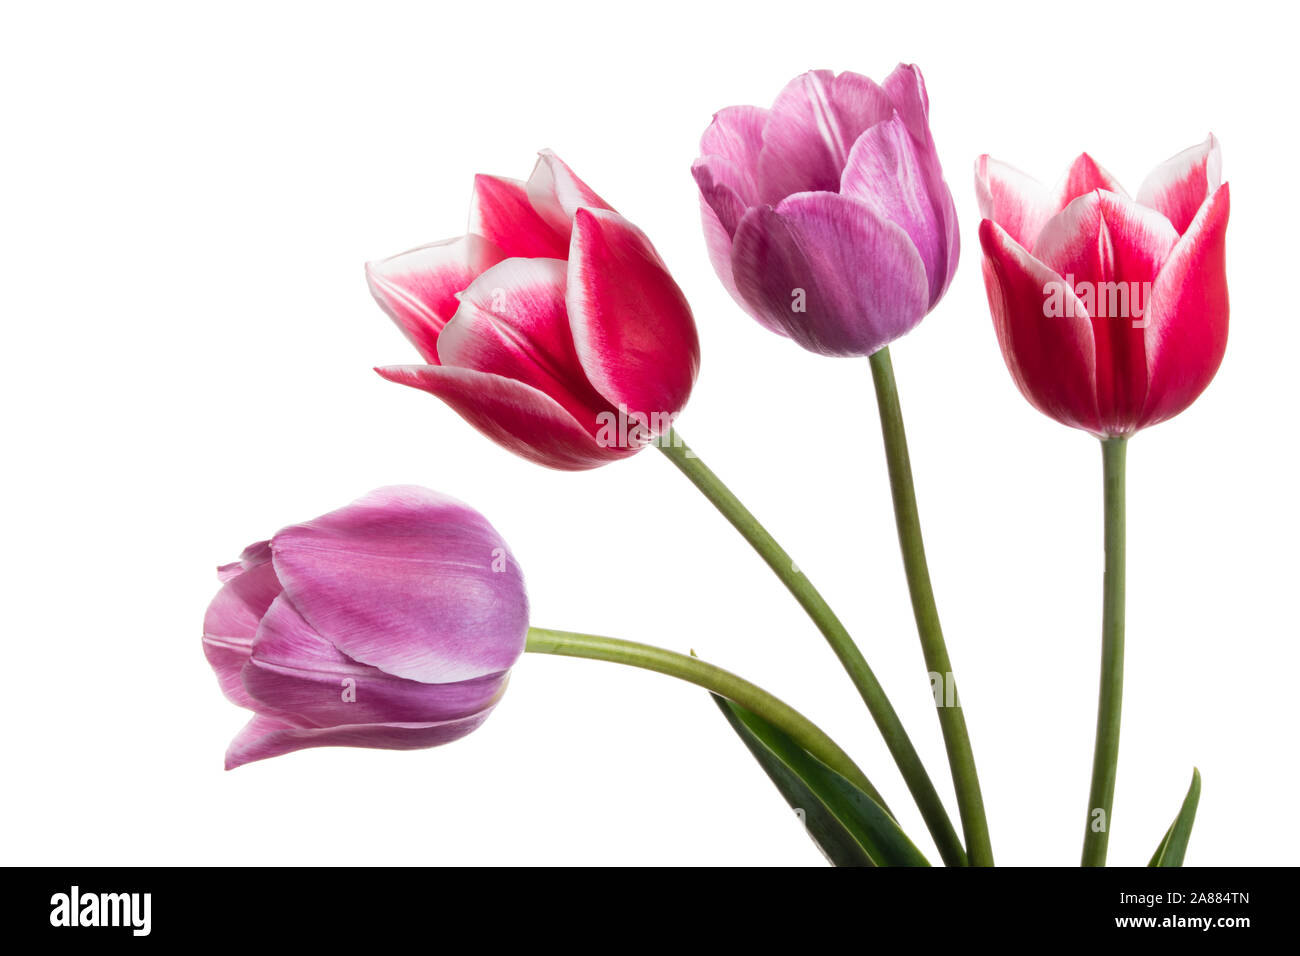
(391, 623)
(550, 326)
(1111, 312)
(827, 216)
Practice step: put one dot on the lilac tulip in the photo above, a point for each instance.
(391, 623)
(827, 216)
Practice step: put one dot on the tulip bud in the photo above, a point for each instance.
(550, 326)
(1112, 313)
(391, 623)
(827, 217)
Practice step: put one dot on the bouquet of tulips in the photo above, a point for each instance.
(554, 328)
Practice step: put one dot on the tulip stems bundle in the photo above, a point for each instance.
(810, 599)
(1106, 751)
(961, 759)
(712, 678)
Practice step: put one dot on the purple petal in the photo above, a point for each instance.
(811, 128)
(734, 140)
(264, 737)
(293, 670)
(231, 624)
(409, 581)
(886, 174)
(259, 552)
(857, 277)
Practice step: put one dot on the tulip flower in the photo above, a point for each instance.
(827, 216)
(552, 326)
(1112, 313)
(391, 623)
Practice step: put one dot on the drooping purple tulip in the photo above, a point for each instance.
(827, 216)
(391, 623)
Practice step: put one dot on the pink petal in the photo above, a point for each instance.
(1178, 187)
(858, 277)
(727, 174)
(231, 624)
(633, 329)
(295, 671)
(557, 193)
(264, 737)
(1052, 358)
(886, 174)
(811, 128)
(513, 322)
(721, 210)
(517, 416)
(501, 213)
(257, 553)
(418, 288)
(722, 188)
(735, 137)
(1187, 331)
(1112, 248)
(905, 88)
(1018, 203)
(1083, 176)
(409, 581)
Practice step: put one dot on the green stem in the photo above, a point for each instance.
(882, 711)
(1106, 752)
(712, 678)
(961, 759)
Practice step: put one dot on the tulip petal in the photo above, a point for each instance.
(885, 173)
(257, 553)
(418, 288)
(501, 213)
(1083, 176)
(409, 581)
(1017, 202)
(231, 622)
(1051, 357)
(513, 322)
(721, 210)
(811, 128)
(517, 416)
(557, 193)
(632, 326)
(1178, 187)
(264, 737)
(1109, 249)
(736, 138)
(905, 88)
(1187, 330)
(722, 186)
(293, 670)
(830, 273)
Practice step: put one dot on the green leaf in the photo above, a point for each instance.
(1174, 846)
(848, 826)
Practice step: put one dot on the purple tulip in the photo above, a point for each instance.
(391, 623)
(827, 217)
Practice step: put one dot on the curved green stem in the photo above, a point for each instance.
(712, 678)
(1105, 756)
(882, 711)
(961, 759)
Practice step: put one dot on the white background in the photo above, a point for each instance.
(188, 197)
